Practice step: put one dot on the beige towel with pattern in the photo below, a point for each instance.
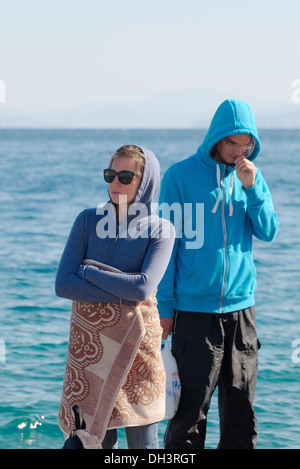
(114, 368)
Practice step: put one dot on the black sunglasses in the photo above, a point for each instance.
(125, 177)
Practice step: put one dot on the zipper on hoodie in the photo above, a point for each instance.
(110, 255)
(112, 246)
(225, 172)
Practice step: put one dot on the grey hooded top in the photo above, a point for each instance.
(140, 247)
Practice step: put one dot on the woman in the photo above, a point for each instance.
(114, 368)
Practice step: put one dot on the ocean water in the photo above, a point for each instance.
(47, 177)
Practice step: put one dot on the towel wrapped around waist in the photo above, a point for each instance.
(114, 368)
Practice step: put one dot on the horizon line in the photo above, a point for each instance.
(133, 128)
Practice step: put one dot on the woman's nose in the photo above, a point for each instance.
(115, 182)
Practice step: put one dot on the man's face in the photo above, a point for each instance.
(232, 147)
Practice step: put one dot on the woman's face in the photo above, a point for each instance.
(122, 194)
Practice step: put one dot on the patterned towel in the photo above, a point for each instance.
(114, 368)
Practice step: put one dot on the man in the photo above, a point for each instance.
(206, 297)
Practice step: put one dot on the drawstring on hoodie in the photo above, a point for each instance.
(219, 191)
(230, 194)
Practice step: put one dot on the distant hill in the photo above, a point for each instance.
(168, 109)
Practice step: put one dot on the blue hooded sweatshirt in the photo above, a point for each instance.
(216, 273)
(140, 246)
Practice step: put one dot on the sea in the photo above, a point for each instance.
(47, 177)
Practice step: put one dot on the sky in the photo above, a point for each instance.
(164, 62)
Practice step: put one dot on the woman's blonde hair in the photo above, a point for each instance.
(130, 151)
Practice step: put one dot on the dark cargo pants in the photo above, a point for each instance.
(215, 349)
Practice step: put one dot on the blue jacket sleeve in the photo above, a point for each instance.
(263, 217)
(68, 284)
(169, 194)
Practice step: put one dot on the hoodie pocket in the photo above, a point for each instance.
(241, 274)
(205, 275)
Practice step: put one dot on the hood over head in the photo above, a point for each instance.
(150, 183)
(232, 117)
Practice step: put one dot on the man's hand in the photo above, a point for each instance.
(167, 325)
(246, 171)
